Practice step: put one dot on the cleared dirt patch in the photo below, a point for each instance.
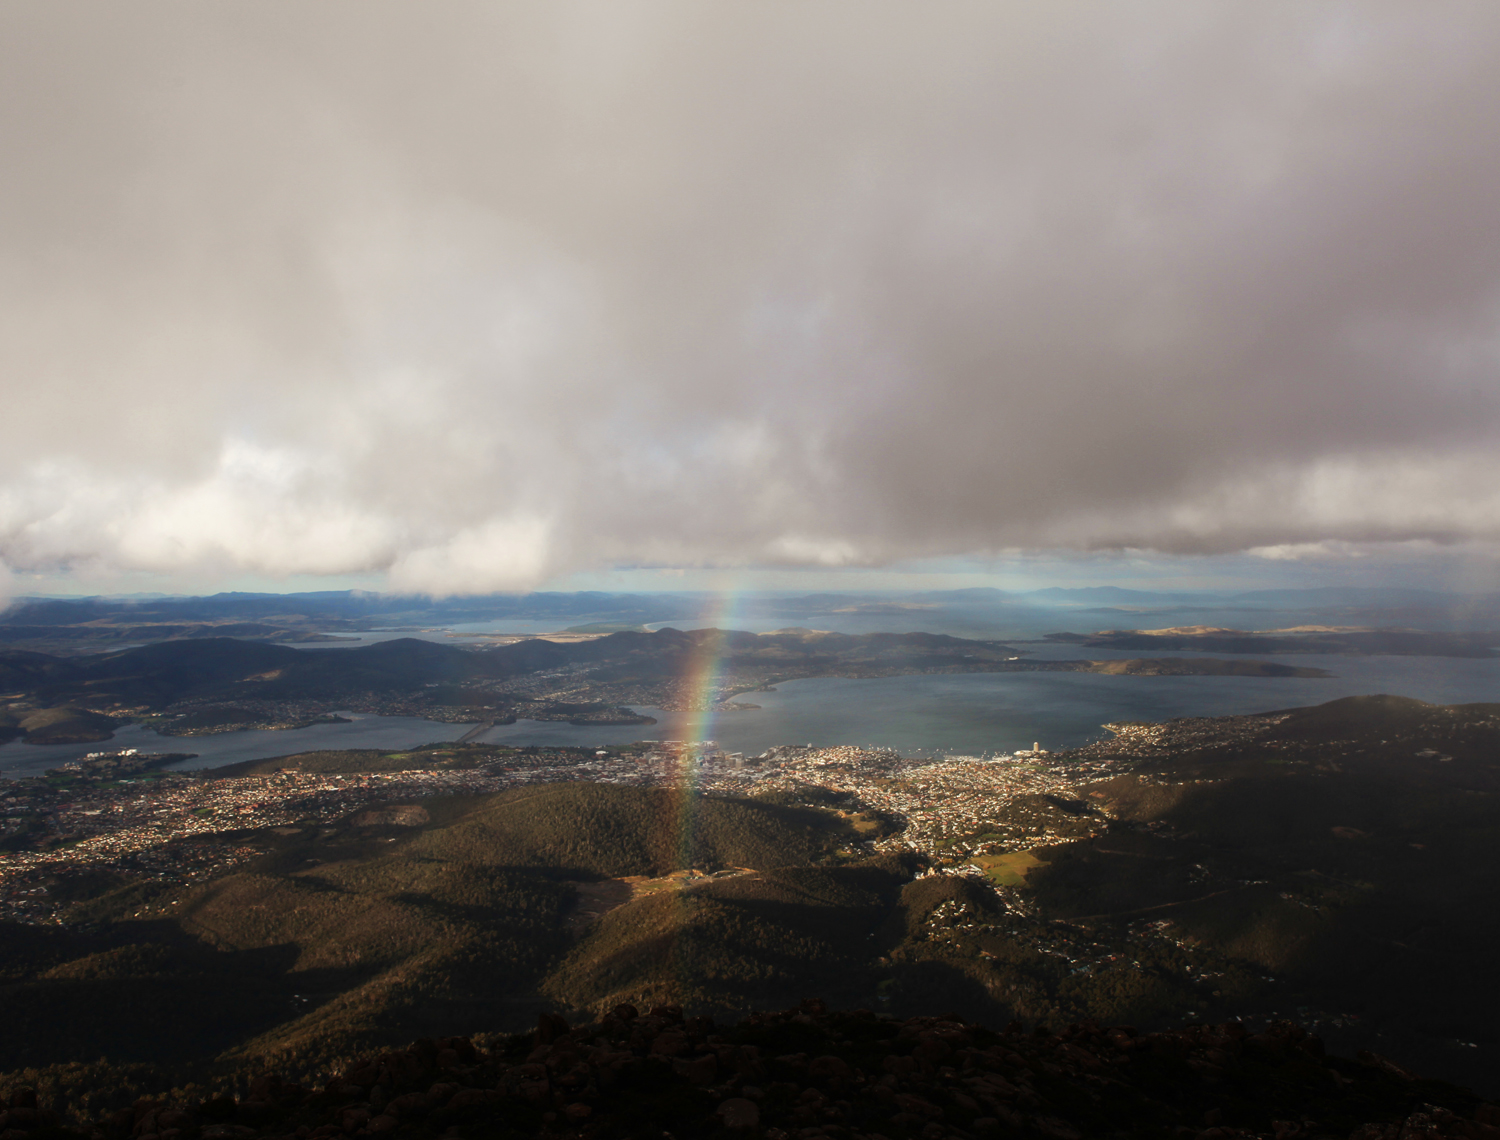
(595, 900)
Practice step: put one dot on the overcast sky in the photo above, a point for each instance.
(464, 297)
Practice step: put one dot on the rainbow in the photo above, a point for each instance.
(702, 688)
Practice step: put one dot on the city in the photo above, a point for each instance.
(116, 812)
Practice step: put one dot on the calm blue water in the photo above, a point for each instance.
(978, 712)
(967, 713)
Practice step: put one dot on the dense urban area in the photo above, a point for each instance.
(126, 812)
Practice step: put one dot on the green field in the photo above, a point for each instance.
(1008, 870)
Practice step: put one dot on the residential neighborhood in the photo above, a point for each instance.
(110, 811)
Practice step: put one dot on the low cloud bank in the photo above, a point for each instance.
(478, 296)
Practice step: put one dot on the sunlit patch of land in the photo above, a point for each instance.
(1008, 870)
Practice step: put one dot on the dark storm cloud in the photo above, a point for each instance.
(478, 294)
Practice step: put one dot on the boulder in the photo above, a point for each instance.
(738, 1112)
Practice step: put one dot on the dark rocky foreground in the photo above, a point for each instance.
(810, 1072)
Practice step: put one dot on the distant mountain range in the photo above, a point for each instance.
(359, 606)
(86, 625)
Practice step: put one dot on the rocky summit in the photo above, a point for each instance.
(811, 1072)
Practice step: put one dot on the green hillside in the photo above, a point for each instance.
(586, 830)
(347, 937)
(1351, 852)
(735, 944)
(63, 725)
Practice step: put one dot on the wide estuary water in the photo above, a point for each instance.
(963, 713)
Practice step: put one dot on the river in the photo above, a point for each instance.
(966, 713)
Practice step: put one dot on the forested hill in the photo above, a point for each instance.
(214, 667)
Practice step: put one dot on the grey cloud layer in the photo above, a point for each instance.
(477, 294)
